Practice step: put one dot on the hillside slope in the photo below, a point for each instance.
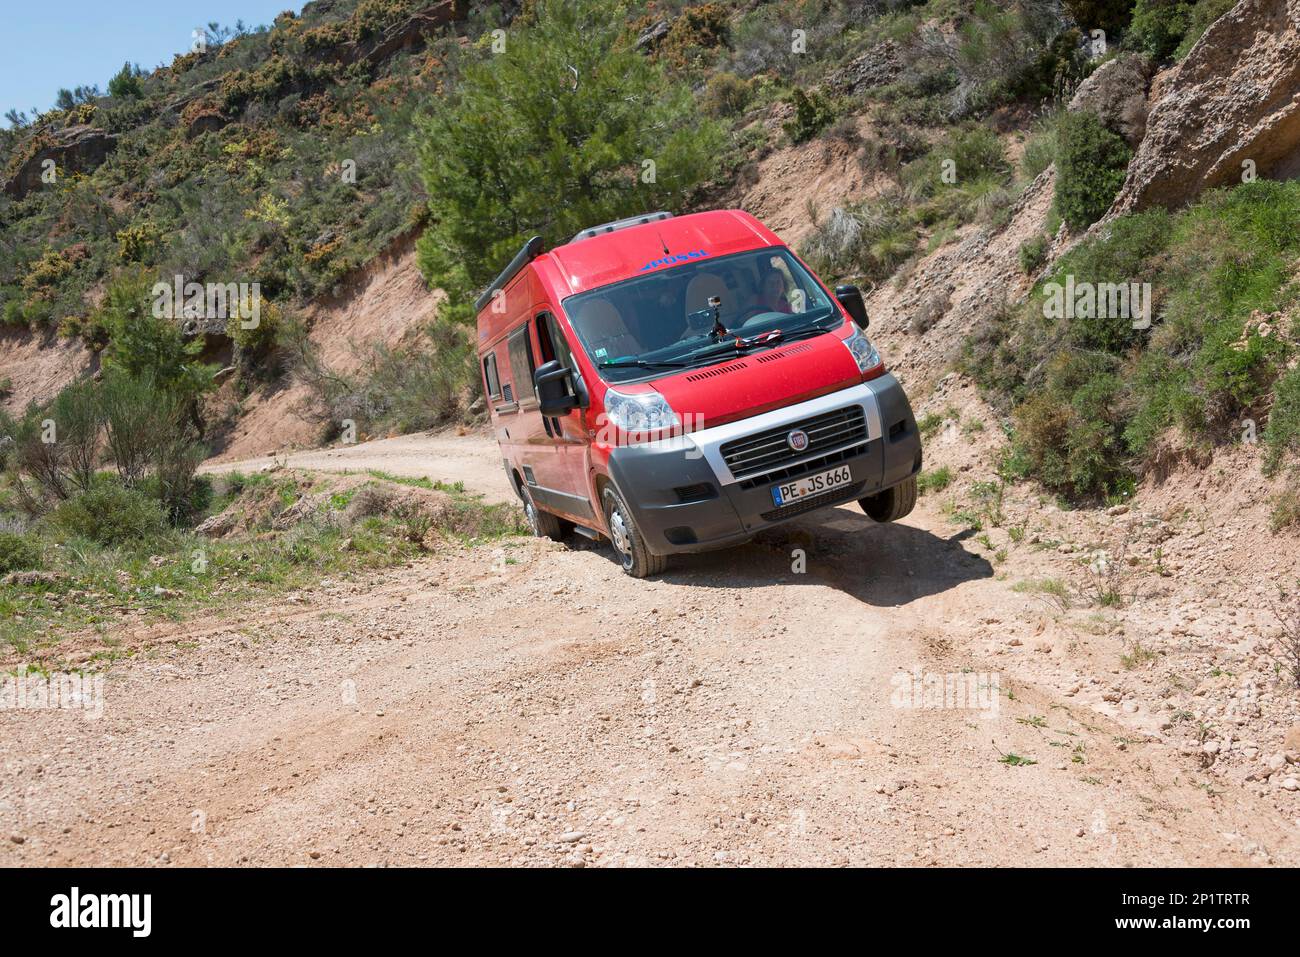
(382, 304)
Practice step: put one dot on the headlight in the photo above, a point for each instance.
(864, 353)
(642, 412)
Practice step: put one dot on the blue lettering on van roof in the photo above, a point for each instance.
(670, 260)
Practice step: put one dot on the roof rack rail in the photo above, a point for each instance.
(532, 249)
(603, 228)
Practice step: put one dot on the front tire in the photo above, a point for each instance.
(629, 544)
(891, 504)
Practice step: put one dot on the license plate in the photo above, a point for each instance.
(791, 492)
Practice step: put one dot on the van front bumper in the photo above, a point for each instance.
(685, 497)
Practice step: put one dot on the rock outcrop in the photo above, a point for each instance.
(1232, 106)
(74, 149)
(407, 35)
(1117, 92)
(879, 65)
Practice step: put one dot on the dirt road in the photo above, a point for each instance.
(529, 704)
(445, 456)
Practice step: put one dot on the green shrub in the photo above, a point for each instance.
(13, 315)
(1123, 255)
(1282, 436)
(968, 152)
(1204, 13)
(137, 243)
(144, 345)
(869, 240)
(1069, 432)
(694, 30)
(1170, 28)
(150, 433)
(1109, 15)
(1226, 263)
(1286, 510)
(1091, 164)
(79, 419)
(725, 94)
(110, 514)
(963, 178)
(53, 266)
(1091, 396)
(812, 114)
(125, 83)
(18, 553)
(1032, 253)
(1158, 26)
(935, 480)
(397, 389)
(1040, 151)
(256, 343)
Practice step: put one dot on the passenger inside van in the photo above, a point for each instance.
(772, 292)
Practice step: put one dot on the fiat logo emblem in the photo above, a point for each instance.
(797, 440)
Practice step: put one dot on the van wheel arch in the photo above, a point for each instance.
(543, 523)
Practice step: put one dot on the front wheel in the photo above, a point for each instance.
(629, 545)
(891, 504)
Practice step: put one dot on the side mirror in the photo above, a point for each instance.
(553, 395)
(850, 298)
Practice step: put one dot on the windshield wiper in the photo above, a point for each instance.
(641, 364)
(816, 329)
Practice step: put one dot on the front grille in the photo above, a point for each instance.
(804, 468)
(766, 451)
(845, 493)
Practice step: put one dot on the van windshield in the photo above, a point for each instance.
(652, 324)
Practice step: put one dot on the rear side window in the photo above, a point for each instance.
(521, 362)
(490, 377)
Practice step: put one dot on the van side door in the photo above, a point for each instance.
(568, 431)
(539, 445)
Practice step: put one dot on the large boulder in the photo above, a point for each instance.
(74, 149)
(1235, 98)
(1117, 92)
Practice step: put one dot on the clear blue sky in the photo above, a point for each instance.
(48, 44)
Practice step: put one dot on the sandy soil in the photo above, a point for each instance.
(529, 704)
(35, 368)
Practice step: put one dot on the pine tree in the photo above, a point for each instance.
(566, 127)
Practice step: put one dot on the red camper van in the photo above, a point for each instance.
(677, 384)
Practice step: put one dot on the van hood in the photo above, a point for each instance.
(761, 381)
